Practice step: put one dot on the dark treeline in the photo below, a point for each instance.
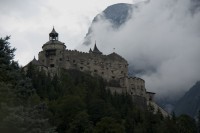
(72, 102)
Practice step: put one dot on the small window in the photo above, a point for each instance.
(150, 98)
(51, 65)
(95, 70)
(113, 77)
(81, 68)
(102, 73)
(74, 61)
(60, 59)
(121, 72)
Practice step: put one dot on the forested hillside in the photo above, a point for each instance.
(71, 102)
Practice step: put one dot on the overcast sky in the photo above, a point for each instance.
(30, 21)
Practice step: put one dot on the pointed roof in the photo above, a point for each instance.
(53, 32)
(90, 51)
(35, 62)
(96, 50)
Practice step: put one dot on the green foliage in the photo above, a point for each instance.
(81, 124)
(198, 121)
(109, 125)
(186, 124)
(19, 111)
(22, 119)
(6, 62)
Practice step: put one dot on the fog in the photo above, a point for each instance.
(161, 42)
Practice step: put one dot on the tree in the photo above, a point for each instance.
(6, 52)
(186, 124)
(198, 122)
(6, 59)
(20, 119)
(109, 125)
(81, 124)
(18, 109)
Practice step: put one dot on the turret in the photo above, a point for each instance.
(96, 50)
(53, 35)
(90, 51)
(53, 50)
(53, 42)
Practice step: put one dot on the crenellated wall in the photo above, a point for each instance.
(110, 67)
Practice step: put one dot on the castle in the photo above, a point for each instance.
(113, 68)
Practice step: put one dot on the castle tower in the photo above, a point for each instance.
(53, 35)
(53, 51)
(96, 50)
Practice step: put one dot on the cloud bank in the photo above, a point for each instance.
(161, 42)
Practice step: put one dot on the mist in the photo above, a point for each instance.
(161, 42)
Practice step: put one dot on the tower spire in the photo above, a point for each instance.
(96, 50)
(53, 35)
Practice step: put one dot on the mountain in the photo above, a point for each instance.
(116, 14)
(190, 103)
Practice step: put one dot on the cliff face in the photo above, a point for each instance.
(116, 14)
(190, 103)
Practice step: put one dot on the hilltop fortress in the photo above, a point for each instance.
(113, 68)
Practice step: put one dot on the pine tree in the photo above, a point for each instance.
(18, 113)
(198, 122)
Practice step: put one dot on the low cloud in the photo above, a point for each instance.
(161, 42)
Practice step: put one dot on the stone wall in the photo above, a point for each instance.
(110, 67)
(134, 85)
(103, 65)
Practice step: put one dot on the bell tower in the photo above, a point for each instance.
(52, 54)
(53, 35)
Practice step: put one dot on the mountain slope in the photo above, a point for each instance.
(116, 14)
(190, 102)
